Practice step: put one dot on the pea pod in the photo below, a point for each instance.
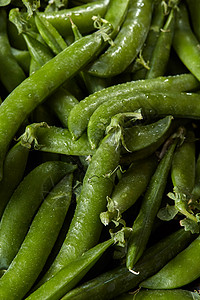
(193, 6)
(128, 41)
(81, 113)
(23, 100)
(130, 187)
(14, 167)
(69, 276)
(23, 204)
(37, 245)
(176, 294)
(81, 16)
(53, 139)
(141, 136)
(161, 52)
(119, 280)
(181, 270)
(143, 223)
(22, 57)
(152, 104)
(11, 74)
(185, 42)
(86, 226)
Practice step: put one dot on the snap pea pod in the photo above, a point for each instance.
(161, 52)
(81, 16)
(61, 103)
(119, 280)
(130, 187)
(32, 91)
(24, 203)
(86, 226)
(50, 35)
(139, 137)
(127, 43)
(81, 113)
(181, 270)
(183, 105)
(143, 223)
(194, 8)
(141, 64)
(185, 42)
(14, 167)
(69, 276)
(11, 74)
(22, 57)
(183, 166)
(53, 139)
(176, 294)
(39, 240)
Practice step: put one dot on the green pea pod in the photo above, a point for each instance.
(181, 270)
(11, 74)
(196, 189)
(119, 280)
(152, 104)
(162, 49)
(81, 113)
(177, 294)
(81, 16)
(54, 140)
(24, 203)
(32, 91)
(14, 167)
(143, 224)
(141, 64)
(129, 188)
(185, 42)
(69, 276)
(39, 240)
(194, 8)
(141, 136)
(50, 35)
(61, 103)
(127, 43)
(85, 228)
(22, 57)
(183, 166)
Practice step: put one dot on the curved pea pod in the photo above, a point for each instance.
(61, 103)
(161, 53)
(119, 280)
(139, 137)
(194, 8)
(185, 42)
(143, 223)
(23, 205)
(141, 64)
(38, 242)
(53, 139)
(181, 270)
(176, 294)
(37, 87)
(50, 35)
(85, 228)
(183, 166)
(22, 57)
(69, 276)
(196, 189)
(81, 16)
(152, 104)
(81, 113)
(127, 43)
(11, 74)
(129, 188)
(14, 167)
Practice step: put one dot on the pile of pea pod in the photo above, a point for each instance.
(99, 149)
